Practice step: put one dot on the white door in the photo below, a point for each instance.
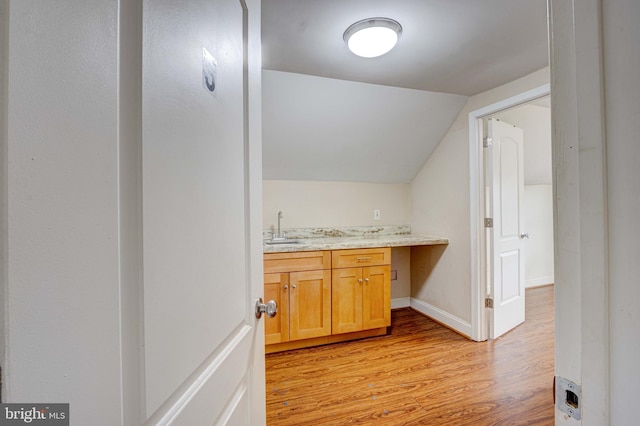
(506, 190)
(201, 338)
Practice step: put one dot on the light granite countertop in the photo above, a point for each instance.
(311, 239)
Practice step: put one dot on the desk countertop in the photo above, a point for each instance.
(353, 242)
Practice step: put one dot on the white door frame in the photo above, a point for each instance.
(477, 208)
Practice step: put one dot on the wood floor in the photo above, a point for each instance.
(421, 374)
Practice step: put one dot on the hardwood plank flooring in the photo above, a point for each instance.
(421, 373)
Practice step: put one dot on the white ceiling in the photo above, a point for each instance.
(320, 122)
(453, 46)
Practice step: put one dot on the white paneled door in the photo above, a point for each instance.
(506, 190)
(201, 337)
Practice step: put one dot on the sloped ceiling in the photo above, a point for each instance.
(330, 115)
(324, 129)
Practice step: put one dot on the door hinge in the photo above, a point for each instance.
(486, 142)
(488, 222)
(488, 303)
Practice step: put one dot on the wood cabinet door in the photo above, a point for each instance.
(276, 287)
(346, 309)
(376, 297)
(310, 304)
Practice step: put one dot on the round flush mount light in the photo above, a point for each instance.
(372, 37)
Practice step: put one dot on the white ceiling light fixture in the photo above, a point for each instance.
(372, 37)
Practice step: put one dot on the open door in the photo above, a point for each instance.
(202, 341)
(505, 184)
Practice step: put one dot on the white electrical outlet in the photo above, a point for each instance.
(376, 215)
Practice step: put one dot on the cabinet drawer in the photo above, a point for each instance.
(297, 261)
(361, 257)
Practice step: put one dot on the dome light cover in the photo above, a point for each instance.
(372, 37)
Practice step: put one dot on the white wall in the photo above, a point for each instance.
(401, 287)
(71, 206)
(595, 107)
(622, 103)
(535, 121)
(4, 52)
(325, 129)
(130, 218)
(309, 204)
(63, 295)
(440, 206)
(313, 204)
(538, 222)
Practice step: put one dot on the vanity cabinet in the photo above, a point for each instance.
(361, 289)
(300, 283)
(326, 296)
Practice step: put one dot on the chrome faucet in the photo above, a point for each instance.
(279, 235)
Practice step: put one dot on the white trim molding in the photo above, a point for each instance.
(581, 234)
(478, 327)
(539, 282)
(443, 317)
(401, 302)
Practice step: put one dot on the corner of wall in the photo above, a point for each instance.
(130, 212)
(440, 205)
(4, 77)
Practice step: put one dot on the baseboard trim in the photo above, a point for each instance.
(401, 302)
(537, 282)
(445, 318)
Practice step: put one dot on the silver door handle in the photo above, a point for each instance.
(270, 308)
(524, 235)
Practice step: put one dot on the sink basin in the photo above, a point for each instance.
(282, 241)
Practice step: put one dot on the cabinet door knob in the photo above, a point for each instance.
(293, 286)
(366, 279)
(359, 280)
(285, 287)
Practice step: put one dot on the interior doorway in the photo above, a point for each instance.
(535, 119)
(504, 228)
(480, 245)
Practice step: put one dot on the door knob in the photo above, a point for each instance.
(524, 235)
(270, 308)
